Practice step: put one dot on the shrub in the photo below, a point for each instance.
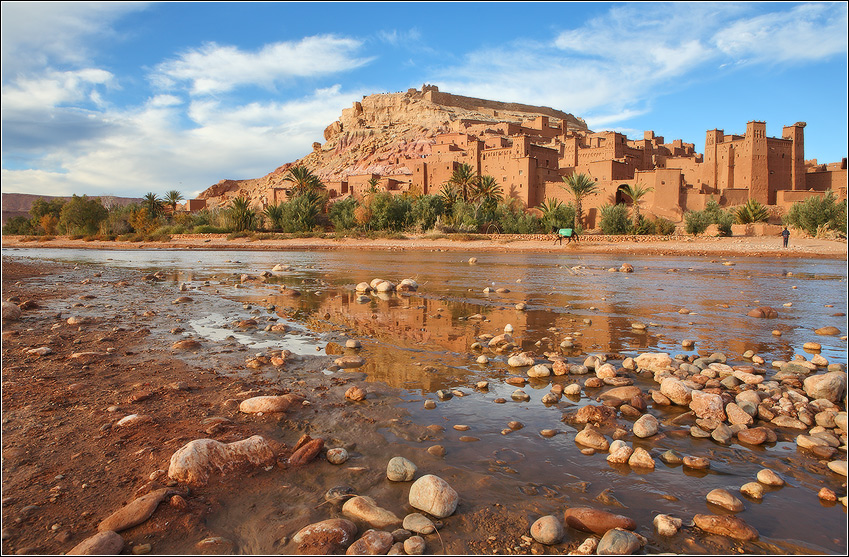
(208, 229)
(696, 222)
(342, 216)
(664, 227)
(82, 215)
(643, 226)
(817, 214)
(723, 222)
(557, 215)
(752, 211)
(240, 216)
(18, 226)
(614, 219)
(300, 212)
(425, 211)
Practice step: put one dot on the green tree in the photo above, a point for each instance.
(580, 186)
(486, 190)
(614, 219)
(752, 211)
(635, 193)
(303, 180)
(19, 225)
(241, 216)
(82, 215)
(153, 204)
(172, 198)
(817, 214)
(301, 212)
(556, 215)
(464, 180)
(274, 214)
(426, 210)
(341, 214)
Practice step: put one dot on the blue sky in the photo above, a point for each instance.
(128, 98)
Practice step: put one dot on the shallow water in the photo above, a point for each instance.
(419, 343)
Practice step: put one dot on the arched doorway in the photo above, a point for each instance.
(620, 195)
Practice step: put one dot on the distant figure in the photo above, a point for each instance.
(786, 235)
(567, 233)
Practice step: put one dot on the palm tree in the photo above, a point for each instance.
(580, 186)
(303, 180)
(274, 214)
(153, 204)
(487, 190)
(241, 216)
(464, 179)
(373, 184)
(448, 193)
(635, 193)
(172, 198)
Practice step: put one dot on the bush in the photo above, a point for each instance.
(614, 219)
(752, 211)
(818, 214)
(341, 214)
(723, 222)
(425, 211)
(208, 229)
(18, 226)
(514, 220)
(643, 227)
(664, 227)
(82, 215)
(240, 216)
(696, 222)
(301, 212)
(558, 215)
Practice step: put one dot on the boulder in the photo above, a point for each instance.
(11, 312)
(676, 391)
(653, 361)
(195, 461)
(102, 543)
(433, 495)
(707, 405)
(830, 386)
(134, 513)
(367, 510)
(595, 521)
(730, 526)
(645, 426)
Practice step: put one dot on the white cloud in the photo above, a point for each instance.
(610, 68)
(214, 68)
(37, 34)
(51, 89)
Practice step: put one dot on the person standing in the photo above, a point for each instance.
(786, 235)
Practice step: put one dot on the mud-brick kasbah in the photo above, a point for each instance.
(412, 142)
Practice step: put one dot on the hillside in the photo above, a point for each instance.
(374, 133)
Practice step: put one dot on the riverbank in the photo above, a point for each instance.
(748, 246)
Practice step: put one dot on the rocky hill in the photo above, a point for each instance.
(377, 133)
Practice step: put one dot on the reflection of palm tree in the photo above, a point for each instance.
(580, 186)
(635, 193)
(303, 180)
(464, 179)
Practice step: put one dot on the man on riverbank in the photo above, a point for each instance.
(786, 235)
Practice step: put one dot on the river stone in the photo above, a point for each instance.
(752, 436)
(722, 434)
(400, 469)
(539, 370)
(696, 462)
(676, 391)
(594, 414)
(348, 362)
(325, 535)
(520, 396)
(520, 360)
(306, 451)
(723, 498)
(11, 312)
(838, 467)
(433, 495)
(337, 456)
(572, 389)
(266, 404)
(592, 438)
(366, 509)
(653, 361)
(415, 545)
(605, 371)
(755, 490)
(620, 453)
(707, 405)
(830, 386)
(788, 422)
(102, 543)
(619, 395)
(667, 525)
(548, 530)
(373, 542)
(618, 542)
(587, 547)
(810, 442)
(645, 426)
(764, 312)
(134, 513)
(769, 477)
(828, 331)
(729, 525)
(671, 458)
(641, 459)
(193, 462)
(587, 519)
(419, 523)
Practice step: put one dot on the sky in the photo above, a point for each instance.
(129, 98)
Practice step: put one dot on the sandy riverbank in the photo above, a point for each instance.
(745, 246)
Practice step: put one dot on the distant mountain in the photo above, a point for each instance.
(18, 204)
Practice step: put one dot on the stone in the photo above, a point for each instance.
(671, 458)
(355, 394)
(645, 426)
(520, 396)
(752, 436)
(830, 386)
(826, 494)
(194, 462)
(216, 545)
(134, 513)
(267, 404)
(620, 452)
(325, 534)
(755, 490)
(619, 395)
(667, 525)
(838, 467)
(419, 523)
(723, 498)
(707, 405)
(367, 510)
(434, 496)
(828, 331)
(373, 542)
(592, 438)
(593, 414)
(676, 391)
(348, 362)
(617, 541)
(764, 312)
(539, 371)
(548, 530)
(587, 519)
(769, 477)
(696, 462)
(641, 459)
(306, 451)
(102, 543)
(520, 360)
(722, 434)
(10, 312)
(399, 469)
(737, 415)
(729, 525)
(653, 361)
(337, 456)
(587, 547)
(415, 545)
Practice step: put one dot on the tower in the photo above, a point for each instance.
(796, 134)
(755, 163)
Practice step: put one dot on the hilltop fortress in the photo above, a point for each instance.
(413, 142)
